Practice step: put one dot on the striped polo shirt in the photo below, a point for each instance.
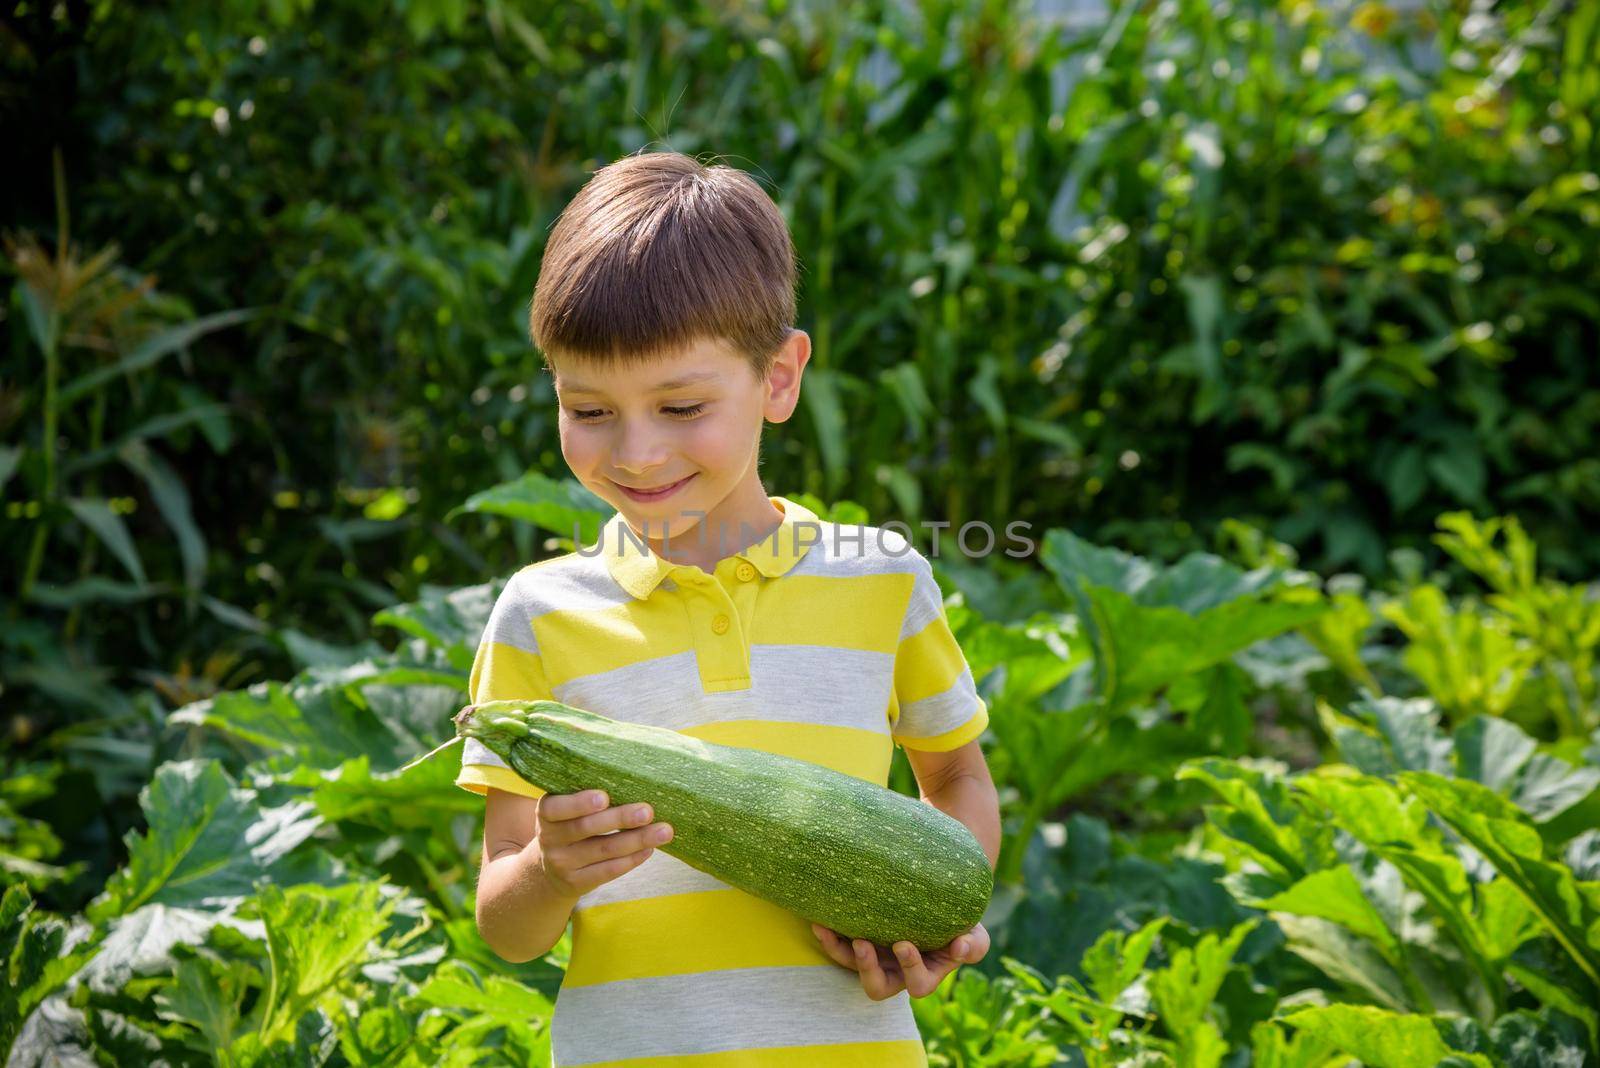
(823, 642)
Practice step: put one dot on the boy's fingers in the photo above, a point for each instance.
(873, 981)
(601, 824)
(835, 948)
(918, 981)
(600, 847)
(595, 875)
(556, 807)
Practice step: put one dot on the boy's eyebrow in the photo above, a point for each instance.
(660, 387)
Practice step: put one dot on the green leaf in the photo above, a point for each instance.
(1185, 990)
(563, 508)
(32, 963)
(1395, 827)
(205, 993)
(317, 937)
(1150, 626)
(1550, 786)
(504, 1001)
(1337, 635)
(1379, 1038)
(206, 843)
(1492, 751)
(95, 589)
(1528, 1040)
(986, 393)
(143, 942)
(1203, 299)
(172, 499)
(155, 427)
(1347, 959)
(10, 459)
(1263, 818)
(1510, 842)
(96, 514)
(1406, 478)
(1273, 1046)
(1333, 894)
(1461, 470)
(152, 349)
(446, 618)
(1117, 957)
(821, 398)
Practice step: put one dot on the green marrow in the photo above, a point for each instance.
(865, 860)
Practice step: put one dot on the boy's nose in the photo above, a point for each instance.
(637, 454)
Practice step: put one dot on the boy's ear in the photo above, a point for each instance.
(783, 381)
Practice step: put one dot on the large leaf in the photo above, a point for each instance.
(319, 720)
(1569, 910)
(1387, 735)
(1150, 626)
(1334, 894)
(1264, 819)
(1186, 989)
(1382, 1039)
(34, 961)
(207, 842)
(563, 508)
(1395, 827)
(316, 936)
(450, 619)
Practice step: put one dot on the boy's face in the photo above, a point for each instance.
(678, 434)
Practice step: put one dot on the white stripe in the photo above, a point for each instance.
(736, 1009)
(940, 713)
(570, 583)
(839, 555)
(926, 604)
(509, 623)
(788, 684)
(475, 752)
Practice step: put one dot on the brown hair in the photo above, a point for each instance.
(657, 251)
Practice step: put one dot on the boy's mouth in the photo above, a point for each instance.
(661, 493)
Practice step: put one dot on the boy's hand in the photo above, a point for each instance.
(885, 972)
(578, 853)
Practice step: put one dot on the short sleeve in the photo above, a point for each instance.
(506, 667)
(936, 706)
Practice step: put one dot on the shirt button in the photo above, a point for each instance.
(720, 624)
(745, 572)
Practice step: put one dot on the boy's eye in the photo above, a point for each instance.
(584, 415)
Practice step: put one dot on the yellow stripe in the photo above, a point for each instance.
(680, 934)
(574, 643)
(902, 1054)
(849, 750)
(928, 662)
(943, 743)
(861, 612)
(479, 777)
(505, 673)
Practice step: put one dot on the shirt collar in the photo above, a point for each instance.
(640, 571)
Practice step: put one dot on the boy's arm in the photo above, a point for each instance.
(520, 914)
(958, 784)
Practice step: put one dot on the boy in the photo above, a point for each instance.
(663, 309)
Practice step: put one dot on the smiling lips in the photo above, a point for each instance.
(645, 496)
